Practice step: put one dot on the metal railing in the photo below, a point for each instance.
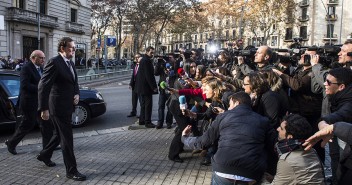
(95, 73)
(21, 15)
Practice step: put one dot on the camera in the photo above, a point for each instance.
(328, 54)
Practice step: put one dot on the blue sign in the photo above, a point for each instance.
(99, 43)
(110, 41)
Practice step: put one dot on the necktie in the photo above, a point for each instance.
(39, 71)
(135, 70)
(70, 67)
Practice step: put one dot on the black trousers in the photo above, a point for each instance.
(146, 103)
(176, 146)
(161, 109)
(63, 135)
(134, 102)
(30, 118)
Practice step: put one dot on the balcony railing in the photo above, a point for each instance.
(304, 3)
(330, 36)
(333, 2)
(30, 17)
(332, 17)
(303, 18)
(74, 27)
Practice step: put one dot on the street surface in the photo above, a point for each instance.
(118, 98)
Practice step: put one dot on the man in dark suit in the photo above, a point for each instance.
(132, 84)
(146, 87)
(58, 93)
(28, 101)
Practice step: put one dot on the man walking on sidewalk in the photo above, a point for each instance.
(58, 93)
(28, 102)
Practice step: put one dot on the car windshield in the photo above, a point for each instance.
(11, 84)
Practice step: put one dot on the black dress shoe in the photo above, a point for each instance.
(137, 116)
(205, 162)
(168, 126)
(131, 115)
(12, 150)
(47, 162)
(149, 125)
(159, 126)
(141, 123)
(177, 160)
(76, 176)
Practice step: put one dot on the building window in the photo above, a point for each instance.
(201, 37)
(73, 15)
(274, 26)
(43, 7)
(288, 35)
(303, 32)
(331, 10)
(273, 40)
(233, 34)
(304, 13)
(330, 31)
(195, 38)
(18, 3)
(227, 35)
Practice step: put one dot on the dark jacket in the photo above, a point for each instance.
(302, 100)
(165, 75)
(270, 105)
(29, 77)
(145, 82)
(244, 138)
(343, 131)
(341, 106)
(57, 88)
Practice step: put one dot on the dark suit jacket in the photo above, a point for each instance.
(57, 88)
(145, 82)
(133, 78)
(29, 78)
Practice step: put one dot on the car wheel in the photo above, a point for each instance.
(81, 115)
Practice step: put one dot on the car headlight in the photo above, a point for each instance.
(99, 96)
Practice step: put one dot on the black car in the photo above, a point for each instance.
(91, 103)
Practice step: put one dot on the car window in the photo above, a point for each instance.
(11, 84)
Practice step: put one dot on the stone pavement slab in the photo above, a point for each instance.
(119, 156)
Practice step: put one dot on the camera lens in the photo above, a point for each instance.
(307, 59)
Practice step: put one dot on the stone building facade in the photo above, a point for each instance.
(58, 18)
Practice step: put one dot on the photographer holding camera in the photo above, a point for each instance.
(165, 69)
(320, 73)
(302, 100)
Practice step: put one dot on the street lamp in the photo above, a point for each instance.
(38, 17)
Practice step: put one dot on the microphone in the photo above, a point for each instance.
(164, 85)
(168, 66)
(183, 104)
(181, 72)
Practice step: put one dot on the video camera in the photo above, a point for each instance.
(327, 54)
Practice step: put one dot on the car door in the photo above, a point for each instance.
(9, 91)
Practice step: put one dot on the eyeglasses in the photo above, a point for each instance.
(329, 82)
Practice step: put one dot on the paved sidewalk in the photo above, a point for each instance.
(114, 156)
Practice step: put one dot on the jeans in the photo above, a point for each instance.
(217, 180)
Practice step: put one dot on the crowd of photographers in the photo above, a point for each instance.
(249, 112)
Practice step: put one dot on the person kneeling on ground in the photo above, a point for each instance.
(295, 165)
(243, 161)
